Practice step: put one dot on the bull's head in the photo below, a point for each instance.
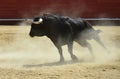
(37, 27)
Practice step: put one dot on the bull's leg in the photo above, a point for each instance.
(59, 50)
(84, 43)
(61, 54)
(98, 40)
(70, 49)
(96, 37)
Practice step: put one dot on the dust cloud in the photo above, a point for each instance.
(18, 49)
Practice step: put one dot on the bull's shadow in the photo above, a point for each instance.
(53, 63)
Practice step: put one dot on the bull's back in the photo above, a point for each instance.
(79, 26)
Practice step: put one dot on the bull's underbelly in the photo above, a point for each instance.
(64, 39)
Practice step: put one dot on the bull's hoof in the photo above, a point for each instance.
(74, 58)
(62, 60)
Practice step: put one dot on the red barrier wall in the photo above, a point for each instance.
(73, 8)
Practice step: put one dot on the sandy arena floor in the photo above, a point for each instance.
(22, 57)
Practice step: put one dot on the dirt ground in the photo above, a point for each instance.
(22, 57)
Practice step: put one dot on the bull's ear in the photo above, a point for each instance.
(39, 21)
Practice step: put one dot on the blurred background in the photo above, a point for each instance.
(21, 9)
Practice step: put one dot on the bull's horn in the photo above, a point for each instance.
(39, 21)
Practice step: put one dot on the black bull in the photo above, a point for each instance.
(64, 30)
